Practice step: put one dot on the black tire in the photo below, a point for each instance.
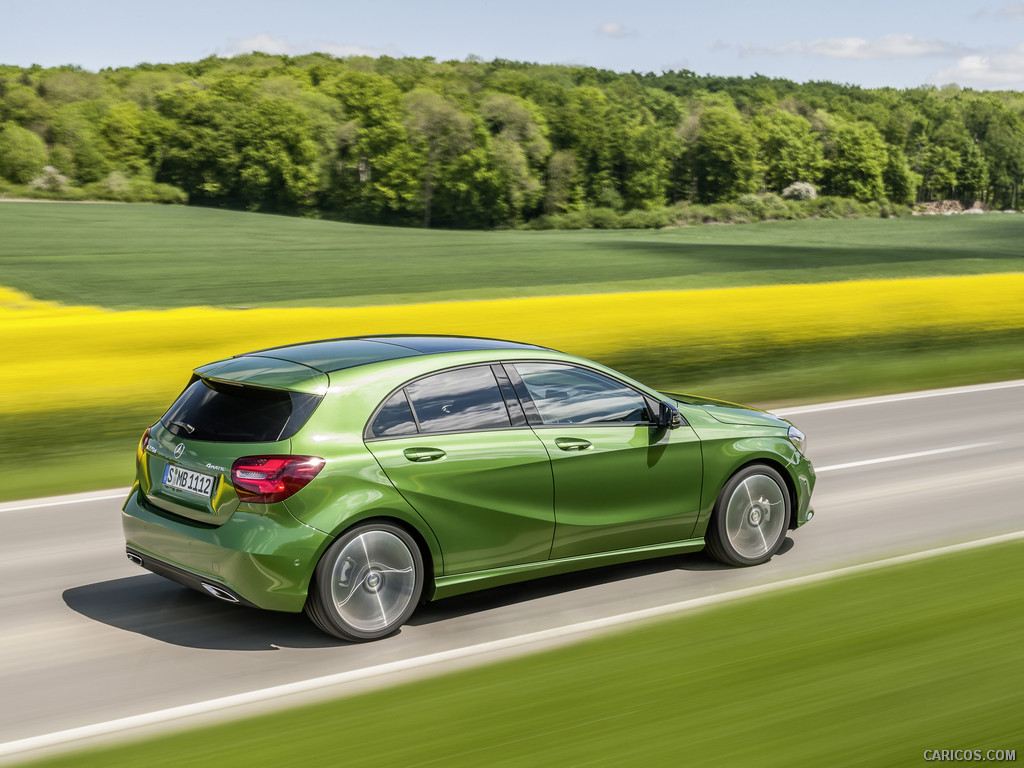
(367, 584)
(751, 517)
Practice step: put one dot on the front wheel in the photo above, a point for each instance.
(367, 584)
(750, 518)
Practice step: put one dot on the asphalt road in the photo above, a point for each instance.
(87, 637)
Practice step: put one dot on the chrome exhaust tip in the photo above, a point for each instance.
(134, 558)
(220, 594)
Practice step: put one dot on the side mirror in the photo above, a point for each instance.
(668, 416)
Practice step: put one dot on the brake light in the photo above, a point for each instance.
(266, 479)
(142, 448)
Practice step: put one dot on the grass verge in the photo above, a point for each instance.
(68, 451)
(868, 669)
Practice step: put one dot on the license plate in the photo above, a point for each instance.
(191, 482)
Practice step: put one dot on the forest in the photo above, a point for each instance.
(478, 144)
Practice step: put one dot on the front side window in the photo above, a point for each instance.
(461, 400)
(566, 394)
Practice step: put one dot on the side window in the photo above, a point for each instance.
(394, 418)
(459, 401)
(565, 394)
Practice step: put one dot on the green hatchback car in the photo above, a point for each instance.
(354, 478)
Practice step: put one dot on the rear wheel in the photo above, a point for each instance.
(367, 583)
(750, 518)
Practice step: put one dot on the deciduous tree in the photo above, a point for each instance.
(856, 161)
(723, 156)
(441, 133)
(22, 154)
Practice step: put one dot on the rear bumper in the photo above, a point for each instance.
(186, 578)
(263, 560)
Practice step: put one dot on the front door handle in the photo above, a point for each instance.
(424, 454)
(573, 443)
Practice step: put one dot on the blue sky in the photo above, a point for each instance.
(869, 43)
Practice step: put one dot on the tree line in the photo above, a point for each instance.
(500, 143)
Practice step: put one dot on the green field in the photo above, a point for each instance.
(870, 669)
(150, 256)
(122, 256)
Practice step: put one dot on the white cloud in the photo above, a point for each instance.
(788, 49)
(282, 46)
(1012, 11)
(1002, 68)
(615, 29)
(341, 51)
(262, 42)
(888, 47)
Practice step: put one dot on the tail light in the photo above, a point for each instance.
(142, 448)
(266, 479)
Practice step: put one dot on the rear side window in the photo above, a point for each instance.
(394, 418)
(226, 413)
(459, 401)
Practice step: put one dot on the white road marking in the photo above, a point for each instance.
(60, 501)
(883, 399)
(900, 457)
(218, 706)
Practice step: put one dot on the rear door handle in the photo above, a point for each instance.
(424, 454)
(573, 443)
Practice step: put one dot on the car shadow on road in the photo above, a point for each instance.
(499, 597)
(153, 606)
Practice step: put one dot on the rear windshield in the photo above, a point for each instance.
(226, 413)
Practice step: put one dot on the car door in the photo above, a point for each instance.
(467, 461)
(620, 480)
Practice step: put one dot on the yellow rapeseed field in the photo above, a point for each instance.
(75, 356)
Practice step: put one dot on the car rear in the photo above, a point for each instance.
(208, 508)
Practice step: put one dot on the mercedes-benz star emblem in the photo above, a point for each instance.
(179, 449)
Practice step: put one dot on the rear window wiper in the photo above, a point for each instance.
(187, 427)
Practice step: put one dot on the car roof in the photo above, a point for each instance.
(329, 355)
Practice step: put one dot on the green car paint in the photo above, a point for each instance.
(726, 449)
(265, 555)
(632, 489)
(264, 372)
(490, 501)
(511, 463)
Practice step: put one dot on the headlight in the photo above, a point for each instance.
(798, 439)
